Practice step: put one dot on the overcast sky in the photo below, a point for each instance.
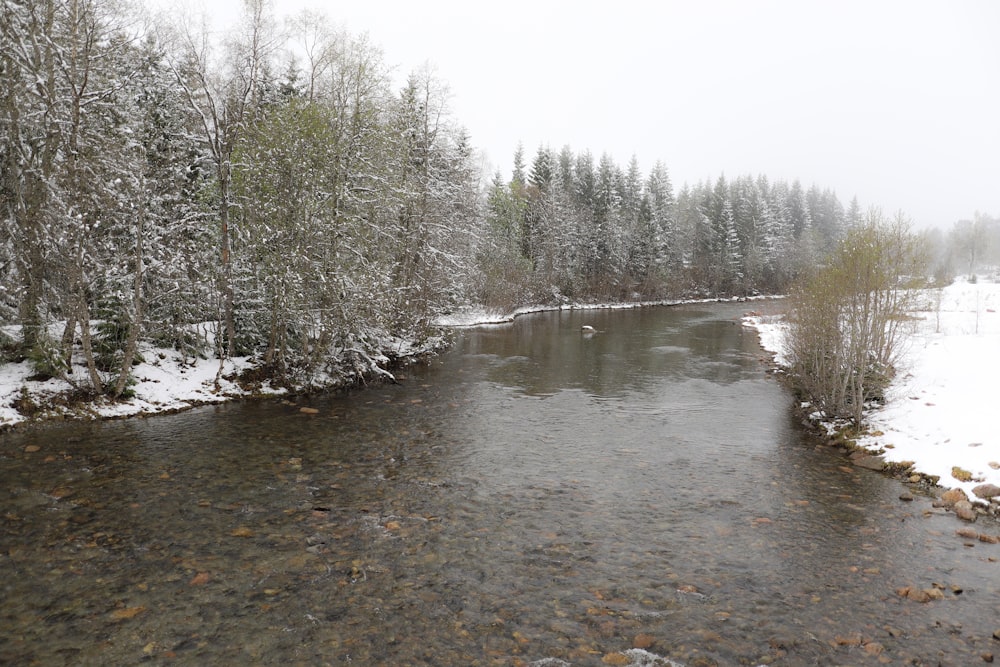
(896, 102)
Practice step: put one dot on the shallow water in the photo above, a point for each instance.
(639, 496)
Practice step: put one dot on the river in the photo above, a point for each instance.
(540, 496)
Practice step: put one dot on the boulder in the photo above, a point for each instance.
(952, 496)
(964, 510)
(986, 491)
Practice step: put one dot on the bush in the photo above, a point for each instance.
(848, 316)
(48, 360)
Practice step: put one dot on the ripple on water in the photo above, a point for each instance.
(665, 513)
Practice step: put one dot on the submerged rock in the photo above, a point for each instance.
(870, 462)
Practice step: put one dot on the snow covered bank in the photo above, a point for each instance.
(168, 381)
(943, 408)
(478, 316)
(165, 382)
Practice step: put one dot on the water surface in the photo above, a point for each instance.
(536, 495)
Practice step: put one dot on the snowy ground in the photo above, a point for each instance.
(943, 407)
(166, 382)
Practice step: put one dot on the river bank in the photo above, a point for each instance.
(168, 381)
(939, 418)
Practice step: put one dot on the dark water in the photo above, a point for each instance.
(534, 497)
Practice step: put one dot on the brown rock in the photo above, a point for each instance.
(989, 539)
(200, 579)
(963, 510)
(616, 659)
(309, 411)
(873, 648)
(643, 641)
(969, 533)
(914, 593)
(952, 496)
(906, 496)
(127, 612)
(986, 491)
(934, 593)
(870, 462)
(849, 640)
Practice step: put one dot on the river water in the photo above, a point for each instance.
(535, 496)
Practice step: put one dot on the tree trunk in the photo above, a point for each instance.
(83, 315)
(227, 266)
(138, 306)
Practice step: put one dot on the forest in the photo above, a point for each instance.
(274, 195)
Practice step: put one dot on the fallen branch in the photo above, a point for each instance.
(372, 365)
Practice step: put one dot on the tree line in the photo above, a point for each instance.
(274, 194)
(567, 228)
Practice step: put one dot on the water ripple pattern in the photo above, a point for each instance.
(641, 495)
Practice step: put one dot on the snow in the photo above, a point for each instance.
(479, 316)
(169, 381)
(940, 408)
(166, 382)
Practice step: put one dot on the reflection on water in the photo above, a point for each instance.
(535, 496)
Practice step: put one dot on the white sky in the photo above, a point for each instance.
(894, 101)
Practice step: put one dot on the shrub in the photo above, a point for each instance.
(848, 316)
